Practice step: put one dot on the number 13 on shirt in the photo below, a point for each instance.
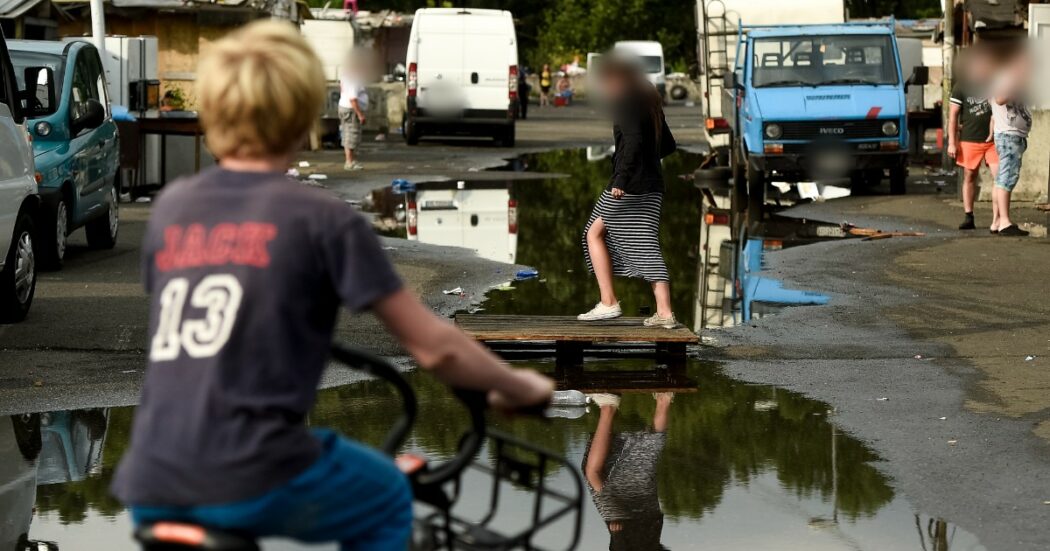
(218, 295)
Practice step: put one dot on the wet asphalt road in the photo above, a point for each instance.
(979, 467)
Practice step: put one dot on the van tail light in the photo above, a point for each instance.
(413, 79)
(512, 83)
(512, 216)
(413, 219)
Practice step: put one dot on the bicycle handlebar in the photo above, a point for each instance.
(383, 369)
(476, 402)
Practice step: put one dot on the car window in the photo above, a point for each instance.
(85, 86)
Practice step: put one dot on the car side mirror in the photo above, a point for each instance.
(92, 116)
(920, 76)
(38, 98)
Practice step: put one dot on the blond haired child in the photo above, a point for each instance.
(246, 270)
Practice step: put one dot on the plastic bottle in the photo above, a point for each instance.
(570, 398)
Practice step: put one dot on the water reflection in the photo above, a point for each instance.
(551, 215)
(620, 470)
(726, 466)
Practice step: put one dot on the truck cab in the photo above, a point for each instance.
(808, 102)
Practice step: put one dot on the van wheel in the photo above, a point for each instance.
(18, 279)
(53, 236)
(506, 137)
(898, 181)
(411, 132)
(102, 231)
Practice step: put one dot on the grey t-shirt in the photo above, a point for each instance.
(246, 273)
(1013, 117)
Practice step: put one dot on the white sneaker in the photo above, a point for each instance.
(601, 312)
(656, 321)
(601, 400)
(354, 166)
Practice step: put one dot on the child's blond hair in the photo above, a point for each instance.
(260, 89)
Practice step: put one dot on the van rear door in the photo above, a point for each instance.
(440, 65)
(490, 50)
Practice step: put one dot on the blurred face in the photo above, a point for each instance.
(614, 84)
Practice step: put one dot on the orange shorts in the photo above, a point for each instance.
(970, 154)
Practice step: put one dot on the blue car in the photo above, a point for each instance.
(74, 143)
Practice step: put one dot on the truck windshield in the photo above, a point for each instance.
(823, 60)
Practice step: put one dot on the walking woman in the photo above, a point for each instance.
(623, 234)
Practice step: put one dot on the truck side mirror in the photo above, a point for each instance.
(38, 98)
(731, 82)
(920, 76)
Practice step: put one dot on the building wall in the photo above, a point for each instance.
(181, 37)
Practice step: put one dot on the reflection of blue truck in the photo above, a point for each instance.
(805, 102)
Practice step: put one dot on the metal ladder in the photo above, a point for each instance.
(715, 45)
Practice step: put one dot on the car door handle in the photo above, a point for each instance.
(473, 78)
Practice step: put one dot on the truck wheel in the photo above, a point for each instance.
(102, 231)
(411, 132)
(756, 193)
(898, 181)
(53, 235)
(738, 201)
(18, 279)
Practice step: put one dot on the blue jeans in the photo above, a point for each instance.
(1011, 149)
(353, 495)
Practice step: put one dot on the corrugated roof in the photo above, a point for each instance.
(10, 9)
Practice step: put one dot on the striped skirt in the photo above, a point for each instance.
(632, 234)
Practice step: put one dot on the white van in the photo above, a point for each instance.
(462, 74)
(651, 54)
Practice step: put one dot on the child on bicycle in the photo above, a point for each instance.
(246, 270)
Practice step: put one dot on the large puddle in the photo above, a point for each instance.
(716, 464)
(724, 465)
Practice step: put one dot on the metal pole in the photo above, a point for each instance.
(948, 58)
(98, 28)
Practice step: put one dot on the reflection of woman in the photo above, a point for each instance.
(620, 469)
(623, 235)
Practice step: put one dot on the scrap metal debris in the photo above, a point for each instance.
(871, 234)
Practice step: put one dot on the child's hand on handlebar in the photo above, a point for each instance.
(532, 392)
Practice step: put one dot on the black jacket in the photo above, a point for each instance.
(636, 162)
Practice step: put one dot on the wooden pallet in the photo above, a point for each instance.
(571, 338)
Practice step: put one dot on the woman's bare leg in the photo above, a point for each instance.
(663, 405)
(600, 445)
(662, 292)
(601, 261)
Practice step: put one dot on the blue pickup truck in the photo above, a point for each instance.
(809, 102)
(74, 142)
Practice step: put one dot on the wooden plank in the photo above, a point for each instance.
(485, 327)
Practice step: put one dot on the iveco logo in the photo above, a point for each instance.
(832, 131)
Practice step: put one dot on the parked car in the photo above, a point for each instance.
(74, 142)
(19, 202)
(462, 74)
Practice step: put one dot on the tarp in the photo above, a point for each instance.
(995, 14)
(10, 9)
